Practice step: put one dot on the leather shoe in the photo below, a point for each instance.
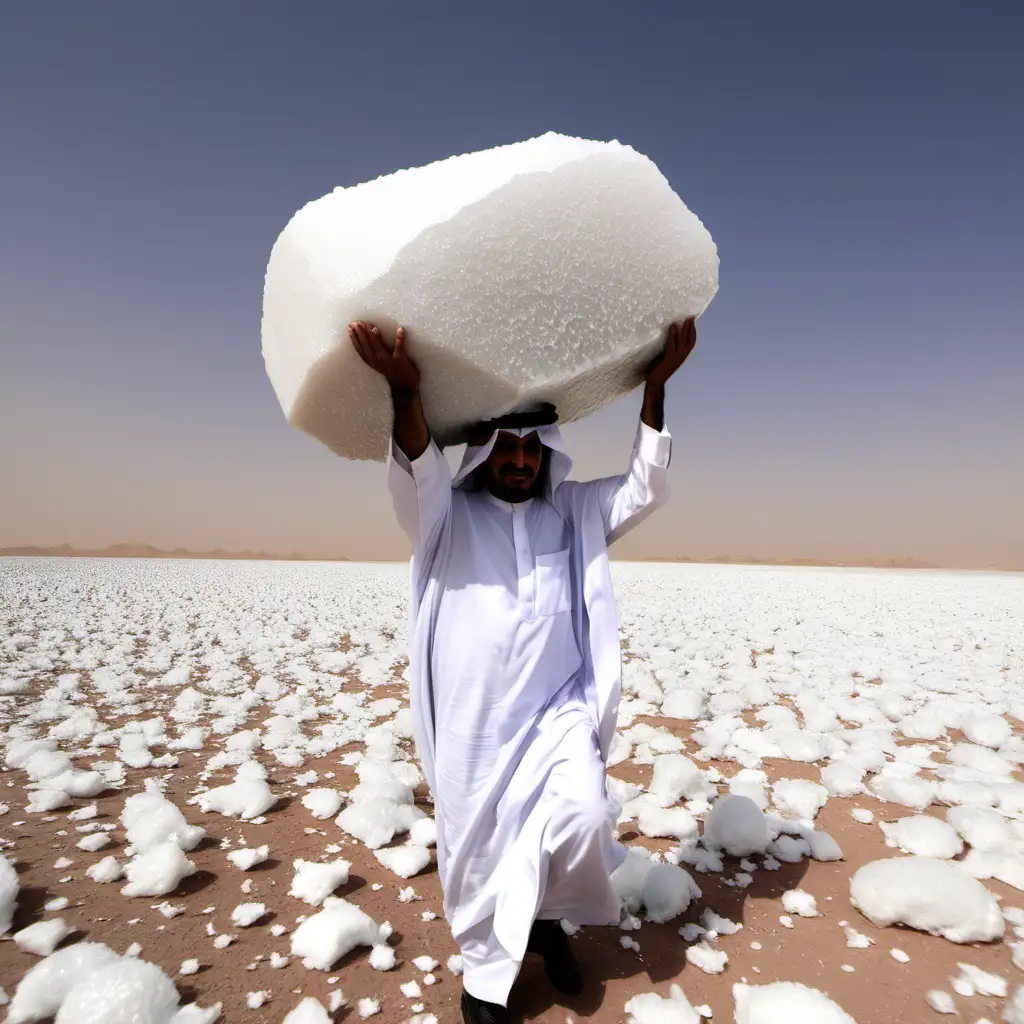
(476, 1011)
(549, 940)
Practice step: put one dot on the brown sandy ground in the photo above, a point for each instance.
(813, 951)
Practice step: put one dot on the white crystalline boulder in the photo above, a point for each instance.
(786, 1001)
(933, 896)
(541, 271)
(322, 803)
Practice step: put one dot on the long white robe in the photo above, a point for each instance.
(515, 662)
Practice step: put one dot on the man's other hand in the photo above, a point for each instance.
(679, 341)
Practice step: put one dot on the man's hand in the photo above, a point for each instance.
(393, 364)
(403, 376)
(679, 342)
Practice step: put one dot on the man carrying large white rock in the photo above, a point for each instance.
(515, 663)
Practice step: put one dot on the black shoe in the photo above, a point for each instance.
(548, 939)
(476, 1011)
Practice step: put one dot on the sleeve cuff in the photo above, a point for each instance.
(653, 446)
(419, 469)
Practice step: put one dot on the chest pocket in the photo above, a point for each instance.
(552, 592)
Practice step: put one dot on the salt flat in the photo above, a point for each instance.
(273, 695)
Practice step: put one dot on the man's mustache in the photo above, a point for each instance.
(512, 470)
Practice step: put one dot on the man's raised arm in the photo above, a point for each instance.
(628, 499)
(418, 477)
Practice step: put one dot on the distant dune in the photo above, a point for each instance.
(148, 551)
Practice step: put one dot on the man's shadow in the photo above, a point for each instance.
(662, 956)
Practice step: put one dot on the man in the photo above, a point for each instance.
(515, 664)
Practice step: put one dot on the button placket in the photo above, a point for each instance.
(524, 558)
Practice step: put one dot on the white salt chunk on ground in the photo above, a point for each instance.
(309, 1011)
(786, 1001)
(628, 878)
(325, 937)
(313, 882)
(245, 859)
(924, 836)
(737, 826)
(245, 798)
(454, 964)
(564, 323)
(375, 822)
(84, 813)
(322, 803)
(667, 891)
(92, 843)
(899, 956)
(247, 914)
(713, 922)
(9, 887)
(150, 819)
(856, 939)
(105, 870)
(404, 861)
(424, 963)
(676, 776)
(799, 797)
(987, 730)
(939, 1001)
(984, 982)
(671, 822)
(43, 937)
(651, 1008)
(56, 904)
(382, 958)
(254, 1000)
(157, 872)
(909, 792)
(982, 828)
(368, 1007)
(222, 941)
(863, 815)
(796, 901)
(1013, 1011)
(190, 966)
(707, 958)
(423, 832)
(125, 992)
(841, 778)
(411, 990)
(933, 896)
(44, 987)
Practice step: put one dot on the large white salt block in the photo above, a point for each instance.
(547, 270)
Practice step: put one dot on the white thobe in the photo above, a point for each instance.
(512, 719)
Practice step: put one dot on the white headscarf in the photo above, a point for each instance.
(559, 463)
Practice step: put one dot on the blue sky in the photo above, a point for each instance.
(857, 385)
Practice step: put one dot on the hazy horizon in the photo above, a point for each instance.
(856, 392)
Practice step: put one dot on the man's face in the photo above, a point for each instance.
(512, 471)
